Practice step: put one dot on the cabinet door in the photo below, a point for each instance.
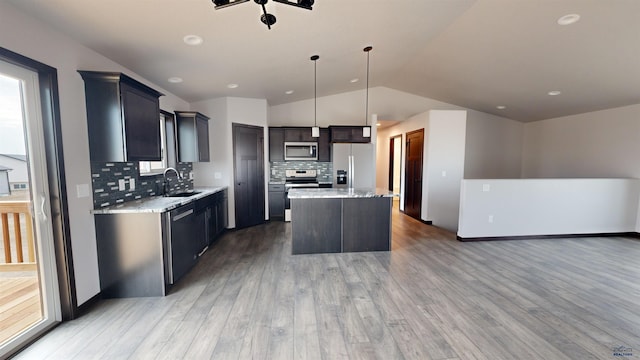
(340, 134)
(324, 146)
(276, 144)
(356, 135)
(203, 139)
(141, 113)
(276, 205)
(298, 134)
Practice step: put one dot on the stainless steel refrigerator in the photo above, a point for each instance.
(359, 163)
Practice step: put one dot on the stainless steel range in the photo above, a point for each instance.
(297, 179)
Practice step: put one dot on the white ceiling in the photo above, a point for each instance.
(476, 54)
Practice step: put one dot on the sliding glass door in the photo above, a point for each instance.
(29, 299)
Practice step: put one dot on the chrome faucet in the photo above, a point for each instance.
(166, 183)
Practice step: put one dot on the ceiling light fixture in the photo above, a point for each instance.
(366, 130)
(266, 18)
(232, 86)
(193, 40)
(568, 19)
(501, 107)
(174, 80)
(554, 92)
(289, 92)
(315, 130)
(353, 81)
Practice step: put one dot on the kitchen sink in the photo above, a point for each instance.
(183, 194)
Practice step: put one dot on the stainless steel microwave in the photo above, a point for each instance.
(300, 151)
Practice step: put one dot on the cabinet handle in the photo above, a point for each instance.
(182, 215)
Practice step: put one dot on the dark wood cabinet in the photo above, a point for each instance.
(298, 134)
(213, 209)
(276, 144)
(278, 135)
(348, 134)
(123, 118)
(316, 226)
(193, 136)
(324, 145)
(276, 201)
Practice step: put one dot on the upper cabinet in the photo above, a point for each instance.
(298, 134)
(193, 136)
(324, 145)
(123, 118)
(279, 135)
(276, 144)
(348, 134)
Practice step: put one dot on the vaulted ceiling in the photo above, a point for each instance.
(477, 54)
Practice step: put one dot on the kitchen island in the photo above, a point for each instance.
(340, 220)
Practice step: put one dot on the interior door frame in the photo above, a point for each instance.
(51, 121)
(392, 158)
(406, 167)
(260, 161)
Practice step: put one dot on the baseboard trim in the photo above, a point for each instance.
(538, 237)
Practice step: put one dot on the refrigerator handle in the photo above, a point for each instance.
(351, 175)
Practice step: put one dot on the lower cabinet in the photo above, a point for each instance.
(143, 254)
(276, 201)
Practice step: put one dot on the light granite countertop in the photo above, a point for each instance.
(158, 204)
(338, 193)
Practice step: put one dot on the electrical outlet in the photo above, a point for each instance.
(490, 218)
(132, 184)
(486, 187)
(121, 185)
(218, 175)
(444, 173)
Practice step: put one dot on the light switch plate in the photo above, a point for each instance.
(486, 187)
(82, 190)
(217, 175)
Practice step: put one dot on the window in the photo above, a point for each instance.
(157, 167)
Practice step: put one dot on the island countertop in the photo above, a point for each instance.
(158, 204)
(338, 193)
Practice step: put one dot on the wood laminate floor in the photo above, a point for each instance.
(432, 297)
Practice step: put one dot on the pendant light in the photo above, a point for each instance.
(315, 130)
(366, 130)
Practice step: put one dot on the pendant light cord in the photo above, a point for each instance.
(315, 93)
(366, 110)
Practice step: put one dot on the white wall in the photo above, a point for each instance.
(548, 207)
(29, 37)
(224, 112)
(597, 144)
(349, 108)
(493, 147)
(445, 140)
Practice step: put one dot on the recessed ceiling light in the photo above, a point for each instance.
(501, 107)
(192, 40)
(232, 86)
(554, 92)
(354, 80)
(174, 80)
(378, 124)
(569, 19)
(289, 92)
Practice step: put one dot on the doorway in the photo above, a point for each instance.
(395, 165)
(413, 173)
(248, 167)
(29, 297)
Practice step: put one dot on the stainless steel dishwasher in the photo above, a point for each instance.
(181, 233)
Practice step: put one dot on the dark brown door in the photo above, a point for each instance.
(248, 164)
(413, 175)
